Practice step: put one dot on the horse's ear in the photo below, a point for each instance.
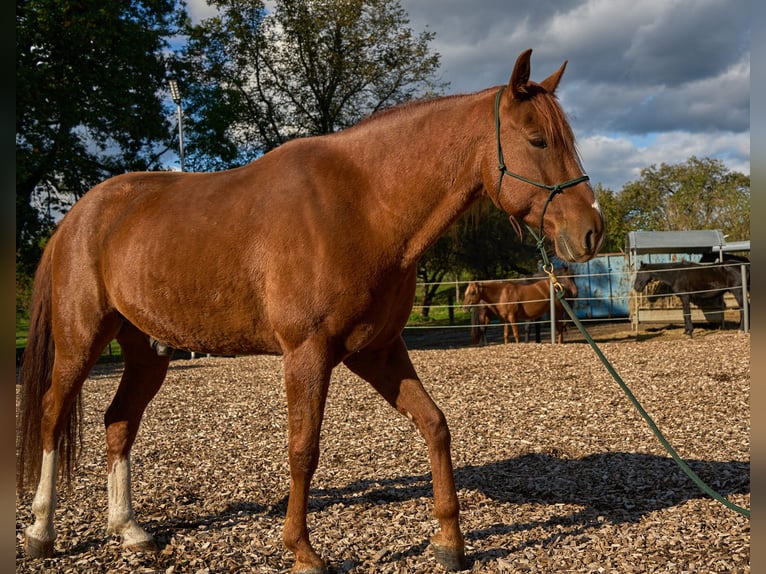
(552, 82)
(520, 75)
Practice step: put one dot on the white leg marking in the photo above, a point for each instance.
(44, 502)
(121, 518)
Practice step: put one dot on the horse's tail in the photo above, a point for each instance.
(35, 379)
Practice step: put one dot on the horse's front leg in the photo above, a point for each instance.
(686, 306)
(307, 377)
(515, 327)
(391, 373)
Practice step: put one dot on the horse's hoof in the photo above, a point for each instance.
(451, 559)
(145, 546)
(309, 570)
(35, 548)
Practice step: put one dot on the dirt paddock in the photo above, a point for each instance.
(556, 471)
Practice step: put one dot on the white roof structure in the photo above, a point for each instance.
(698, 241)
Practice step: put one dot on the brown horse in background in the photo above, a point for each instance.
(518, 300)
(310, 251)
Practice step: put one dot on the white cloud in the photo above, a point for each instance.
(647, 82)
(616, 160)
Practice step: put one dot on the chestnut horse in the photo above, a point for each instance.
(310, 252)
(518, 300)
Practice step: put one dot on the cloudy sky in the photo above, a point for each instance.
(648, 81)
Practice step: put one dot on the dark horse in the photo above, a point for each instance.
(311, 252)
(698, 283)
(514, 301)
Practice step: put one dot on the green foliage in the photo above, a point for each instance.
(697, 194)
(257, 79)
(489, 246)
(89, 77)
(482, 244)
(616, 225)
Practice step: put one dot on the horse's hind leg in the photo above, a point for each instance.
(391, 373)
(143, 375)
(57, 431)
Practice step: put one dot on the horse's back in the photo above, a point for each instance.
(277, 246)
(161, 248)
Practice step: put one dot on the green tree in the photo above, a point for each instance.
(257, 79)
(89, 82)
(614, 219)
(488, 246)
(433, 267)
(697, 194)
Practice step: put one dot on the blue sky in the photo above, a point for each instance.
(648, 81)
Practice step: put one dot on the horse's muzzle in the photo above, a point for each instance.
(581, 244)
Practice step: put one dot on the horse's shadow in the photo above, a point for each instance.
(615, 487)
(618, 486)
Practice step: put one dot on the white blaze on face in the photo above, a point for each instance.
(595, 205)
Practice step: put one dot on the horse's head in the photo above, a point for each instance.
(642, 278)
(543, 182)
(472, 295)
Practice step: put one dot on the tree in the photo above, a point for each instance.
(433, 267)
(310, 67)
(89, 83)
(697, 194)
(482, 245)
(614, 218)
(489, 247)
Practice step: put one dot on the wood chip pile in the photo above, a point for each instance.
(556, 471)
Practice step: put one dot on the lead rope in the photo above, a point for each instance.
(548, 268)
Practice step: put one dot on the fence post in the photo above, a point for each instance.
(553, 313)
(745, 302)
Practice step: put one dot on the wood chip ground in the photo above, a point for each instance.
(555, 469)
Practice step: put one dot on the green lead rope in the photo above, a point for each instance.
(679, 461)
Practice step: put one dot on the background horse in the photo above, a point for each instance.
(698, 283)
(311, 252)
(514, 301)
(481, 316)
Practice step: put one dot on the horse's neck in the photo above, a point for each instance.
(501, 292)
(427, 167)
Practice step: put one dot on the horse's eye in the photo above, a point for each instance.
(538, 142)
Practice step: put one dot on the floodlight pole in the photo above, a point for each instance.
(176, 95)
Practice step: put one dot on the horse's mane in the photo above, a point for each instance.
(554, 119)
(404, 107)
